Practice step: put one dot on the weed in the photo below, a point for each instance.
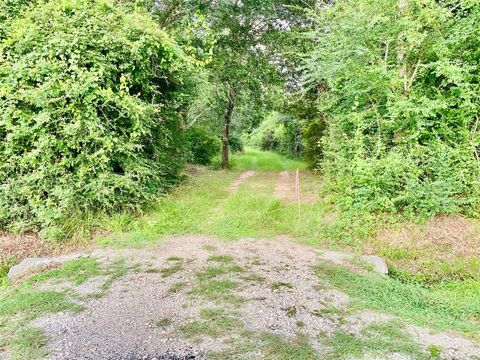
(28, 343)
(378, 340)
(432, 307)
(291, 311)
(221, 258)
(174, 258)
(152, 270)
(253, 278)
(212, 272)
(215, 323)
(163, 323)
(177, 287)
(278, 348)
(171, 270)
(214, 288)
(280, 285)
(76, 271)
(435, 351)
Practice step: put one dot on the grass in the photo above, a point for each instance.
(257, 160)
(213, 272)
(171, 270)
(281, 285)
(214, 323)
(376, 341)
(163, 323)
(29, 343)
(433, 307)
(278, 348)
(221, 258)
(177, 287)
(23, 303)
(214, 289)
(76, 271)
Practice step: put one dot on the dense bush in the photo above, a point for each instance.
(203, 146)
(401, 96)
(279, 133)
(88, 120)
(235, 143)
(313, 133)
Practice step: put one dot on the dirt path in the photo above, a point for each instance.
(241, 180)
(201, 298)
(285, 187)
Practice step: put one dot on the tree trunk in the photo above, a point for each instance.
(226, 128)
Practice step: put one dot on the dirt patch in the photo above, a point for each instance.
(285, 187)
(240, 180)
(231, 295)
(15, 248)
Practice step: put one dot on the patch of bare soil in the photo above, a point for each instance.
(195, 296)
(15, 248)
(240, 180)
(285, 187)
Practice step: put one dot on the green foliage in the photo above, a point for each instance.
(399, 89)
(89, 99)
(235, 143)
(313, 134)
(203, 146)
(279, 133)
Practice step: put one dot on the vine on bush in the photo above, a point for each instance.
(89, 94)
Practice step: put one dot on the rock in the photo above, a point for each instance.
(379, 265)
(32, 265)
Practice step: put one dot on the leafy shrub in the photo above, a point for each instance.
(278, 133)
(88, 102)
(235, 143)
(399, 90)
(203, 146)
(313, 134)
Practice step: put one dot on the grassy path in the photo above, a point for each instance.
(224, 268)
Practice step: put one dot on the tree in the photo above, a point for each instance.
(399, 92)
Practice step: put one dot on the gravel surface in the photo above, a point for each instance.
(276, 291)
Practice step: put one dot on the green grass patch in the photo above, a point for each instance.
(76, 271)
(213, 272)
(171, 270)
(281, 285)
(375, 341)
(221, 258)
(163, 323)
(276, 347)
(181, 212)
(22, 303)
(214, 289)
(177, 287)
(434, 307)
(258, 160)
(28, 344)
(214, 323)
